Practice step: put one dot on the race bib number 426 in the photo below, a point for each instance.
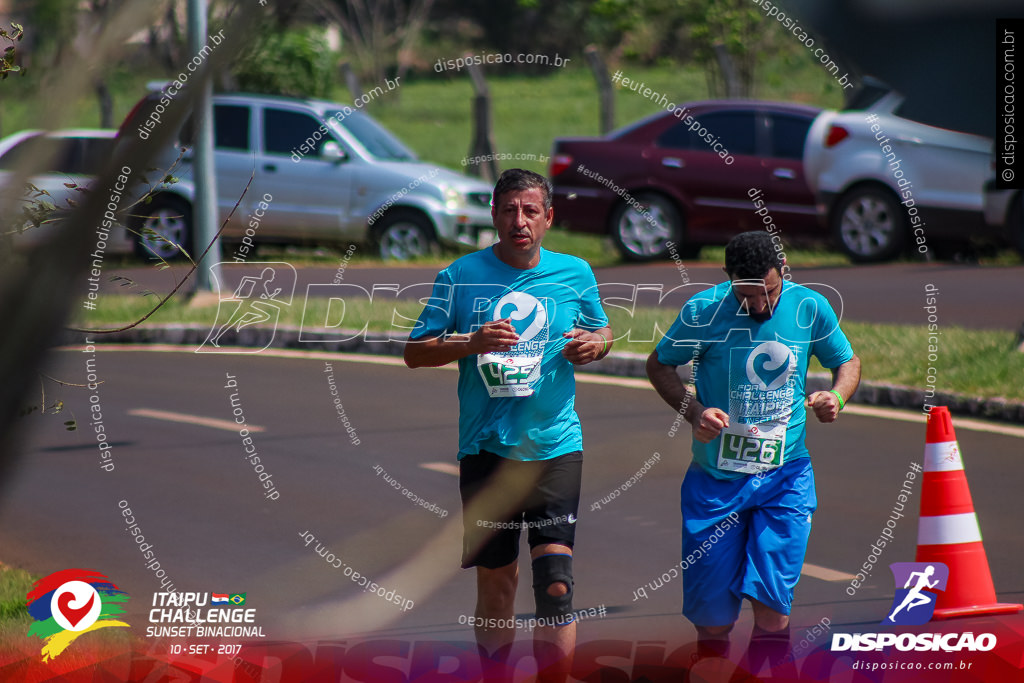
(750, 449)
(506, 376)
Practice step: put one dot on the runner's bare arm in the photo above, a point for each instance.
(670, 387)
(707, 423)
(496, 335)
(585, 346)
(845, 380)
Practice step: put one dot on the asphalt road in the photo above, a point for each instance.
(199, 502)
(968, 295)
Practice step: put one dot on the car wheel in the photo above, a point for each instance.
(168, 217)
(403, 235)
(870, 225)
(645, 236)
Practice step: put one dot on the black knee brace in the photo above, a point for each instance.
(548, 570)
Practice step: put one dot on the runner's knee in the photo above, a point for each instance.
(552, 585)
(557, 589)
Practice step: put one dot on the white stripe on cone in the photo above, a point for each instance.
(942, 457)
(946, 529)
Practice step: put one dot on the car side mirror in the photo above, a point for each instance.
(332, 151)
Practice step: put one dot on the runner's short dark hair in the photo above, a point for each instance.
(518, 179)
(750, 255)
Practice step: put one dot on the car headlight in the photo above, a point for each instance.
(453, 199)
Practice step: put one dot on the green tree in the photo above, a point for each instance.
(59, 17)
(691, 29)
(740, 27)
(379, 34)
(295, 62)
(9, 56)
(649, 31)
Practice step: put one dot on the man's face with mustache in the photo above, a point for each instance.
(521, 221)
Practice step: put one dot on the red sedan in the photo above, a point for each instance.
(691, 176)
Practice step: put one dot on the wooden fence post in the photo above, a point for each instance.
(483, 141)
(606, 94)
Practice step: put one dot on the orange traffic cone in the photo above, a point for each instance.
(948, 530)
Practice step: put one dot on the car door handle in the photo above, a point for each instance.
(672, 162)
(270, 167)
(784, 173)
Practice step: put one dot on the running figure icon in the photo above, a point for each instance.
(256, 302)
(250, 311)
(916, 597)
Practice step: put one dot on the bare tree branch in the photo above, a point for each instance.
(195, 265)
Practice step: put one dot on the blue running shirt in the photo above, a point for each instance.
(520, 404)
(754, 371)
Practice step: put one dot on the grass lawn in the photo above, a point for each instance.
(14, 586)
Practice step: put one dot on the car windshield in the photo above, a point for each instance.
(376, 139)
(866, 95)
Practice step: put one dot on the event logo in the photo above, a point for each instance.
(257, 300)
(914, 603)
(519, 307)
(71, 602)
(769, 365)
(180, 614)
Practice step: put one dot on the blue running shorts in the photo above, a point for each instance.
(744, 537)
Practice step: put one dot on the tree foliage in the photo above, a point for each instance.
(525, 26)
(380, 35)
(53, 24)
(737, 25)
(691, 29)
(295, 62)
(9, 56)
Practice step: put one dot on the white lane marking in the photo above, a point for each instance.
(442, 467)
(226, 425)
(854, 409)
(825, 574)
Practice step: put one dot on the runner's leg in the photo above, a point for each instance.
(495, 604)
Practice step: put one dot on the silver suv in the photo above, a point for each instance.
(324, 173)
(887, 182)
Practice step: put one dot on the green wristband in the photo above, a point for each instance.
(604, 347)
(840, 397)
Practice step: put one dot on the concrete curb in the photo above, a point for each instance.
(620, 364)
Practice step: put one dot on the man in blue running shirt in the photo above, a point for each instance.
(749, 340)
(517, 318)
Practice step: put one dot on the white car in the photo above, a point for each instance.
(72, 159)
(322, 172)
(864, 162)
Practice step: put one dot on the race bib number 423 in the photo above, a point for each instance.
(751, 449)
(506, 376)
